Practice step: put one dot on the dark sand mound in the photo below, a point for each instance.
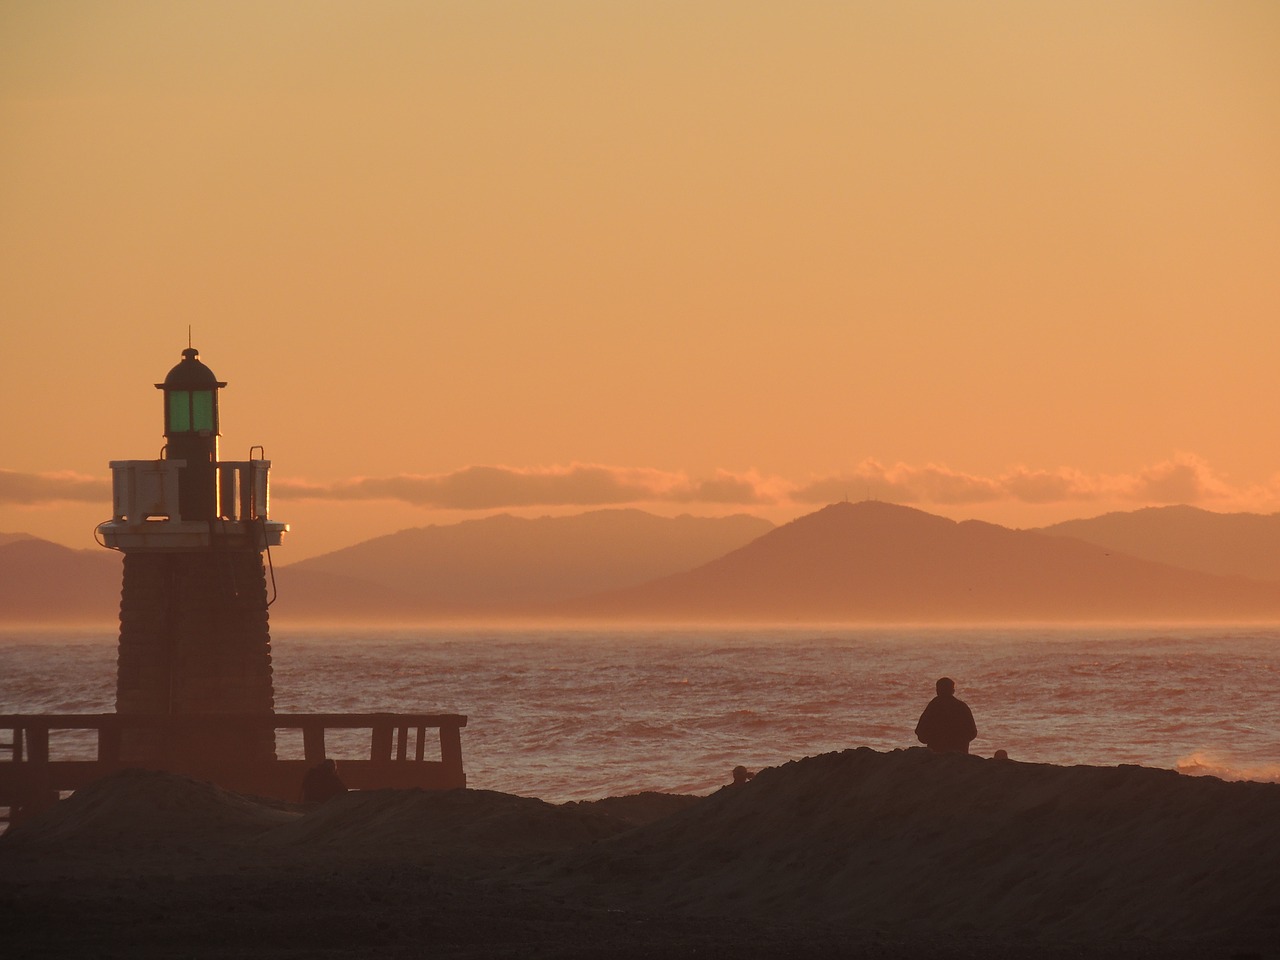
(466, 824)
(957, 843)
(902, 854)
(638, 809)
(146, 807)
(140, 810)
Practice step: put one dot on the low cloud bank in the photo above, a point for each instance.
(1183, 479)
(34, 489)
(488, 488)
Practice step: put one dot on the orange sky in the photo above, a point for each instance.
(1003, 260)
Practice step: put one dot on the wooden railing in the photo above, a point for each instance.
(31, 777)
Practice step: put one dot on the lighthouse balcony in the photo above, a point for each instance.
(146, 513)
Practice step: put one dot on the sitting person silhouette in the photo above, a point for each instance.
(741, 775)
(946, 726)
(322, 782)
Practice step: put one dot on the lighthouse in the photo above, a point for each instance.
(196, 537)
(194, 694)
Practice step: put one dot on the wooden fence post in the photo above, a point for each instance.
(108, 740)
(451, 748)
(313, 741)
(380, 748)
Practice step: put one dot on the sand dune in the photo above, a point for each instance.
(963, 844)
(904, 853)
(466, 824)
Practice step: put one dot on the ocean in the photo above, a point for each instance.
(580, 714)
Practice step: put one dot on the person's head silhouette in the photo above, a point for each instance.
(946, 686)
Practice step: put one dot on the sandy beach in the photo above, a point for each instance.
(856, 853)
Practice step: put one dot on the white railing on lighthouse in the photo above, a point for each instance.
(146, 514)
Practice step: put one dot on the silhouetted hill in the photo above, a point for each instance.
(504, 564)
(874, 561)
(42, 582)
(1227, 544)
(12, 537)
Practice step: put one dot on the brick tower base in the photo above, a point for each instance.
(194, 640)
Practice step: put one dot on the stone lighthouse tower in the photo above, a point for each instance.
(195, 645)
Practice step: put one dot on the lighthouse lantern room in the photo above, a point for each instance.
(191, 433)
(189, 498)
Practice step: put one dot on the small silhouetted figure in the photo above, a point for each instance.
(322, 782)
(741, 775)
(946, 726)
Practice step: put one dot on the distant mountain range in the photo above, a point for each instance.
(876, 562)
(854, 562)
(43, 582)
(504, 565)
(1227, 544)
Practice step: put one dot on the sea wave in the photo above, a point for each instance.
(581, 715)
(1201, 764)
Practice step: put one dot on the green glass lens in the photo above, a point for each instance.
(202, 410)
(179, 411)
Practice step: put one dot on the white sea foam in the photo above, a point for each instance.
(1227, 768)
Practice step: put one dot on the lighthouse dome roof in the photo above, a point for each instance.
(190, 374)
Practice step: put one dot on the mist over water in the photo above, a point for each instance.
(582, 714)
